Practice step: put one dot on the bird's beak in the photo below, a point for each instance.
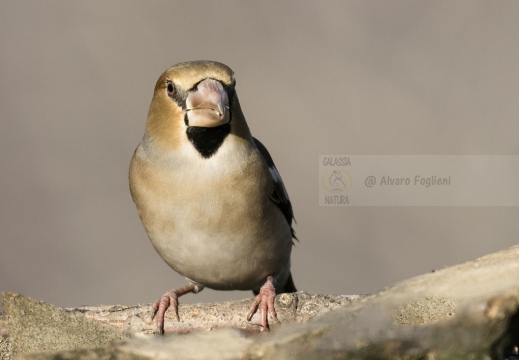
(207, 105)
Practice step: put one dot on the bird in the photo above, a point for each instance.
(208, 194)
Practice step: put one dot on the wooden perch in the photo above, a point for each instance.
(35, 326)
(296, 307)
(465, 311)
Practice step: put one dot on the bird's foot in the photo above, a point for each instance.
(169, 300)
(265, 302)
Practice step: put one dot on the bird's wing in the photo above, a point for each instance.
(279, 194)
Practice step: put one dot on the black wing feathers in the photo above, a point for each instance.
(279, 194)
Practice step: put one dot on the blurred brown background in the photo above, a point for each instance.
(314, 78)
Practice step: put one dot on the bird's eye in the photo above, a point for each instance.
(171, 89)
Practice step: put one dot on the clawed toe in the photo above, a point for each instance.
(265, 302)
(170, 300)
(159, 308)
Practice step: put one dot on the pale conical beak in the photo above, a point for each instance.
(207, 105)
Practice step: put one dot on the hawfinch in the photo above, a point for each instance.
(208, 194)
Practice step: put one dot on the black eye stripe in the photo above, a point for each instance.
(174, 94)
(178, 95)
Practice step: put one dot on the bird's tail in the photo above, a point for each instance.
(289, 286)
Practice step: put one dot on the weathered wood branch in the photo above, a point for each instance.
(465, 311)
(297, 307)
(36, 326)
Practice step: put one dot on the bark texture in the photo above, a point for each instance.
(469, 311)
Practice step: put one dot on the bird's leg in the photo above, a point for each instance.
(170, 299)
(265, 301)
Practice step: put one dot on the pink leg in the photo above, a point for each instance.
(170, 299)
(265, 301)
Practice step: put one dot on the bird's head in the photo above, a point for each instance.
(195, 101)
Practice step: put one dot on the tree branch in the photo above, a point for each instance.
(296, 307)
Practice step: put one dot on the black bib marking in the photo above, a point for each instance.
(207, 140)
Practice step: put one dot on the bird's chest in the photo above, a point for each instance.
(207, 199)
(214, 224)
